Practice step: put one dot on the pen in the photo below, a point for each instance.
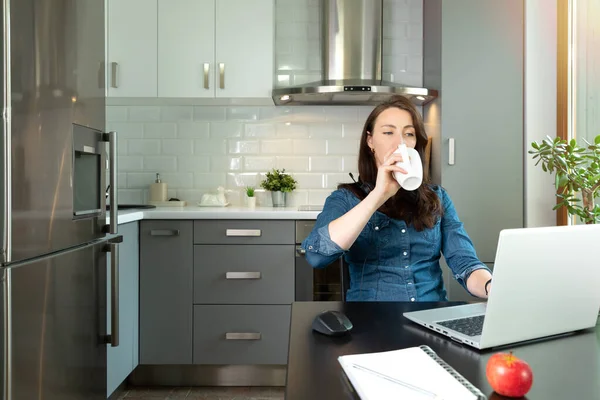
(399, 382)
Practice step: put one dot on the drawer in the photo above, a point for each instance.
(243, 274)
(241, 334)
(244, 232)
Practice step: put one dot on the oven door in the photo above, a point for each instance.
(317, 284)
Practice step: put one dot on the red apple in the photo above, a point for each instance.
(508, 375)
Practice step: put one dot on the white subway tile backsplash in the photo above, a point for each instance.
(210, 146)
(193, 164)
(192, 130)
(333, 180)
(352, 130)
(192, 196)
(243, 147)
(129, 196)
(293, 164)
(292, 130)
(258, 164)
(122, 180)
(210, 181)
(293, 30)
(325, 164)
(310, 146)
(144, 114)
(130, 163)
(276, 146)
(350, 163)
(209, 113)
(160, 164)
(242, 180)
(318, 196)
(178, 146)
(276, 114)
(116, 114)
(140, 180)
(225, 163)
(341, 114)
(259, 130)
(161, 130)
(291, 62)
(242, 113)
(143, 147)
(178, 180)
(310, 181)
(122, 147)
(324, 131)
(342, 146)
(225, 129)
(126, 130)
(177, 113)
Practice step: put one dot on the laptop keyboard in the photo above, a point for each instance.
(470, 326)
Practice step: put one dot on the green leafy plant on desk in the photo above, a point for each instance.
(250, 191)
(577, 174)
(279, 184)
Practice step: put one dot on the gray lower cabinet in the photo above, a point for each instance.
(241, 334)
(123, 359)
(166, 272)
(243, 290)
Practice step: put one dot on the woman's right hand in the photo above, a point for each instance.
(386, 185)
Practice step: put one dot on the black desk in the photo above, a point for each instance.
(564, 368)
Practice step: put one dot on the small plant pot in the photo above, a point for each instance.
(251, 202)
(279, 199)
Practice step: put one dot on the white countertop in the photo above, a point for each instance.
(195, 212)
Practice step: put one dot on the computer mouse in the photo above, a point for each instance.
(332, 323)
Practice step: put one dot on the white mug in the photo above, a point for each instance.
(411, 163)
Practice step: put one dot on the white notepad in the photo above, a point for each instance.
(415, 373)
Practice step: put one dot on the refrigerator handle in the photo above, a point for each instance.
(113, 248)
(111, 138)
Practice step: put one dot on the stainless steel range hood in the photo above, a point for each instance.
(351, 54)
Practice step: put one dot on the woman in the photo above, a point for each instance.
(391, 238)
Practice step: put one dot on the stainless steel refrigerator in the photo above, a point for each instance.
(53, 229)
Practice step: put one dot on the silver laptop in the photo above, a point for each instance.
(546, 282)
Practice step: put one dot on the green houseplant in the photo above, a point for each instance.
(250, 199)
(577, 174)
(279, 184)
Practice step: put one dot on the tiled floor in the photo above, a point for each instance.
(204, 393)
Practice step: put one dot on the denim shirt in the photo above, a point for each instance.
(390, 260)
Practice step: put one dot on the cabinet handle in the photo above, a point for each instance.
(222, 75)
(164, 232)
(242, 275)
(114, 70)
(206, 74)
(113, 249)
(111, 138)
(242, 232)
(300, 251)
(243, 336)
(451, 151)
(101, 75)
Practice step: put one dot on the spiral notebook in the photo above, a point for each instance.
(414, 373)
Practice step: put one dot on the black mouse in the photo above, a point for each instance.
(332, 323)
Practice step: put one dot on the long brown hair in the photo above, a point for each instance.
(421, 207)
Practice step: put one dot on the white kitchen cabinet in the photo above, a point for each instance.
(132, 48)
(244, 48)
(186, 48)
(215, 48)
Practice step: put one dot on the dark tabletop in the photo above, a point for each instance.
(563, 368)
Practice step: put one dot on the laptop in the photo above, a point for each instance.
(546, 282)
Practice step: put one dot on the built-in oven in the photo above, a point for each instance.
(315, 284)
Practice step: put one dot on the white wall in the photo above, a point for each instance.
(540, 107)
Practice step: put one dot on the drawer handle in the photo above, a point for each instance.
(243, 336)
(242, 275)
(164, 232)
(242, 232)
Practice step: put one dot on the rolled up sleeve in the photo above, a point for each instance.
(320, 249)
(457, 247)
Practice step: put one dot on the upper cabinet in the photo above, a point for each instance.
(244, 48)
(191, 48)
(132, 48)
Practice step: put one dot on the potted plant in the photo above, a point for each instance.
(250, 197)
(279, 184)
(577, 178)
